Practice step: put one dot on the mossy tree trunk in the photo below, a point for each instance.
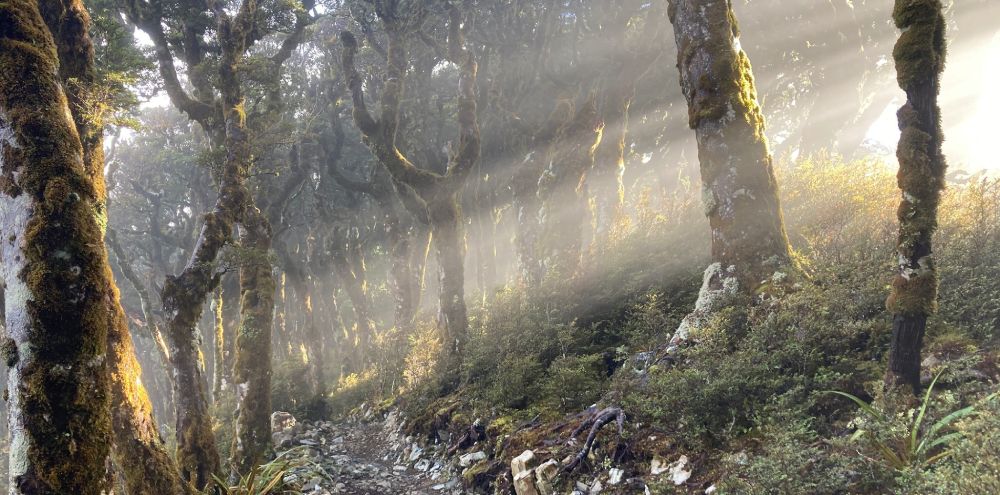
(739, 190)
(136, 435)
(252, 368)
(437, 192)
(60, 298)
(919, 55)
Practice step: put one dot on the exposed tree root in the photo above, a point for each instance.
(596, 421)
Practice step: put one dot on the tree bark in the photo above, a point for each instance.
(453, 320)
(60, 299)
(252, 369)
(919, 55)
(739, 190)
(136, 435)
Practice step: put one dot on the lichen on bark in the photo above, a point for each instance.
(740, 189)
(59, 291)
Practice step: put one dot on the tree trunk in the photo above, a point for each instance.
(353, 281)
(402, 279)
(136, 435)
(453, 320)
(919, 55)
(739, 190)
(252, 370)
(438, 192)
(60, 299)
(562, 187)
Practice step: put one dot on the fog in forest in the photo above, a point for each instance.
(500, 246)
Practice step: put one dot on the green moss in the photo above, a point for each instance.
(64, 389)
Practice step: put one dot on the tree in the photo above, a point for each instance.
(60, 297)
(562, 185)
(218, 106)
(739, 190)
(436, 191)
(919, 55)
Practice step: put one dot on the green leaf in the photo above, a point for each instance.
(862, 404)
(943, 422)
(915, 429)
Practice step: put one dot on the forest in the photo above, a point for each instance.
(518, 247)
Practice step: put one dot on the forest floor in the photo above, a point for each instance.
(360, 457)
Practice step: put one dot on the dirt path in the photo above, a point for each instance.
(368, 458)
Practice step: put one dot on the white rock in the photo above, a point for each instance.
(415, 452)
(544, 474)
(524, 483)
(596, 487)
(422, 465)
(281, 421)
(466, 460)
(658, 466)
(710, 490)
(522, 462)
(677, 472)
(615, 476)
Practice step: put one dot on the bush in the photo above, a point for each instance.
(791, 458)
(974, 465)
(574, 382)
(757, 361)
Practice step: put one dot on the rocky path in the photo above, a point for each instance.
(362, 458)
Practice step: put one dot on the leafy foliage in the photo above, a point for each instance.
(920, 447)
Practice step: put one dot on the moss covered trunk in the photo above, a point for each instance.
(919, 55)
(136, 431)
(739, 190)
(60, 299)
(403, 279)
(252, 369)
(436, 192)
